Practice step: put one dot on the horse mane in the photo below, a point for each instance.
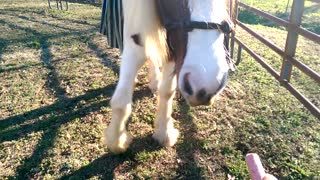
(141, 17)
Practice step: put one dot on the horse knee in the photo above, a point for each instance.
(121, 98)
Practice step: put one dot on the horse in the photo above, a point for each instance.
(184, 41)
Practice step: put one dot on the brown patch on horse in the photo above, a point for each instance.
(171, 11)
(137, 39)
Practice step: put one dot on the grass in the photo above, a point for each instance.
(310, 19)
(58, 75)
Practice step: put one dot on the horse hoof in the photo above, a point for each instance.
(167, 138)
(117, 143)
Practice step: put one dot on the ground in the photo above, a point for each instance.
(57, 76)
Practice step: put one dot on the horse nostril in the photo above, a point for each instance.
(187, 87)
(201, 96)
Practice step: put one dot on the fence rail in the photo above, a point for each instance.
(294, 30)
(307, 34)
(304, 68)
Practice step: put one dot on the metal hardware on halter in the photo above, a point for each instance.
(227, 27)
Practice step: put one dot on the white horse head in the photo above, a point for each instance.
(199, 53)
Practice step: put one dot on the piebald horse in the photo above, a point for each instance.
(184, 41)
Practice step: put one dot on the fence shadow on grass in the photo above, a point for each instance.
(50, 118)
(57, 114)
(3, 45)
(46, 61)
(42, 38)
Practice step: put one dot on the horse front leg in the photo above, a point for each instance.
(116, 136)
(165, 133)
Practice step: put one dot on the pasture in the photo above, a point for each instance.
(57, 76)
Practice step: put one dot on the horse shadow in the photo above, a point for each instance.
(188, 168)
(107, 165)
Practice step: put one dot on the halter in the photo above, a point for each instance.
(176, 18)
(182, 19)
(224, 27)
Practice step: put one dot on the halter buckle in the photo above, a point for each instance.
(226, 27)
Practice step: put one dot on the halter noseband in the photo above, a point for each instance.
(224, 27)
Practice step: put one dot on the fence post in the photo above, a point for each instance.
(292, 38)
(234, 16)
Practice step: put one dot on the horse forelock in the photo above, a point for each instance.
(175, 11)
